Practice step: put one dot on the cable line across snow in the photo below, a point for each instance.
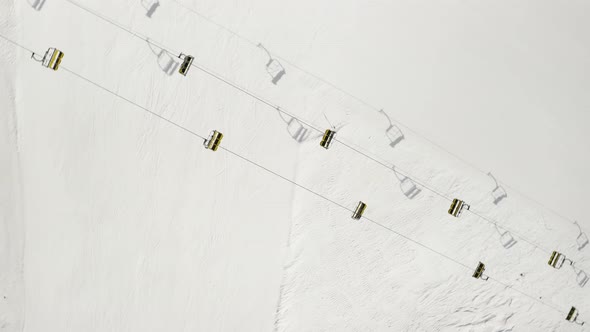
(362, 101)
(282, 110)
(192, 63)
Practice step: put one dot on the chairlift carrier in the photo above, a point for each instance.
(572, 316)
(360, 209)
(557, 260)
(327, 138)
(478, 273)
(457, 207)
(51, 59)
(214, 140)
(187, 61)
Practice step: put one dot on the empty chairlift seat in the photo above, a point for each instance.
(360, 209)
(457, 207)
(187, 61)
(478, 273)
(327, 138)
(213, 141)
(557, 259)
(51, 59)
(572, 316)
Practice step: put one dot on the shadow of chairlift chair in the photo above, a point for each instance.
(296, 129)
(478, 273)
(581, 276)
(275, 70)
(582, 239)
(187, 61)
(213, 141)
(37, 4)
(572, 316)
(498, 193)
(393, 132)
(150, 6)
(506, 238)
(457, 207)
(273, 67)
(406, 185)
(558, 259)
(166, 62)
(51, 59)
(360, 209)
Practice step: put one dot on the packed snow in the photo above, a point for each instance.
(114, 217)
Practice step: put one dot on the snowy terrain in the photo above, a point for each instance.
(115, 218)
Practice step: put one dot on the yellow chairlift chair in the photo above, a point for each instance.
(213, 141)
(187, 61)
(478, 273)
(327, 138)
(457, 207)
(557, 260)
(360, 209)
(572, 316)
(51, 59)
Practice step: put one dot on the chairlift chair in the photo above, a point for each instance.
(557, 259)
(360, 209)
(187, 61)
(327, 138)
(572, 316)
(51, 59)
(457, 207)
(213, 141)
(478, 273)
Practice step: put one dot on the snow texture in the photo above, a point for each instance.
(113, 217)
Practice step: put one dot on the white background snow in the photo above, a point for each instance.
(113, 219)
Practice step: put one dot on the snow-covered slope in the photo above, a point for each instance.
(11, 205)
(129, 224)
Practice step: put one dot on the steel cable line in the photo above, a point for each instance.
(367, 104)
(310, 125)
(298, 185)
(17, 44)
(261, 166)
(193, 133)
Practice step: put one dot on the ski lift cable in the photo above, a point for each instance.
(284, 178)
(303, 121)
(120, 26)
(281, 110)
(17, 44)
(193, 133)
(370, 106)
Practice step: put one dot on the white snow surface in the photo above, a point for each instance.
(114, 219)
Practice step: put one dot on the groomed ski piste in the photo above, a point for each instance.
(115, 217)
